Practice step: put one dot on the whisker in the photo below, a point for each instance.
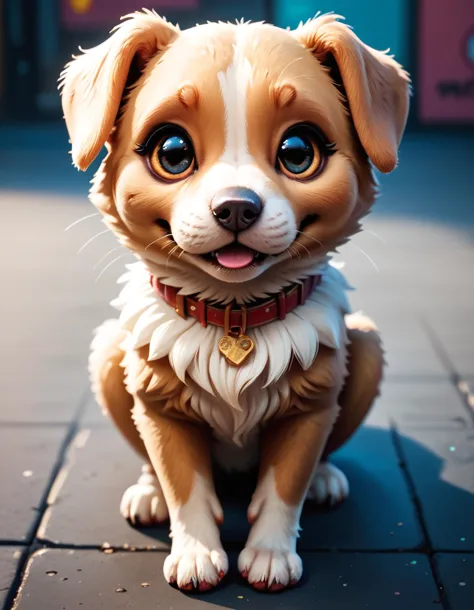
(73, 224)
(303, 246)
(366, 255)
(92, 239)
(287, 66)
(376, 235)
(310, 237)
(109, 264)
(159, 239)
(295, 251)
(106, 255)
(171, 254)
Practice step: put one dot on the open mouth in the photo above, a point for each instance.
(234, 256)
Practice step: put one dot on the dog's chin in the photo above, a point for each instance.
(233, 264)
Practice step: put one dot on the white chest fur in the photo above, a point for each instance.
(233, 400)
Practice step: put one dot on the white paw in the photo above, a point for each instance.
(144, 503)
(270, 570)
(329, 485)
(200, 569)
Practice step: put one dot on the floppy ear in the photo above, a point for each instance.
(376, 86)
(93, 83)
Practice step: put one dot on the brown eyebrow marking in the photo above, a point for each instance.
(188, 95)
(283, 95)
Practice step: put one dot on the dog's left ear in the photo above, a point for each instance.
(93, 83)
(376, 86)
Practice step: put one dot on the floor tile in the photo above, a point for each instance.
(9, 557)
(454, 329)
(442, 467)
(425, 405)
(457, 575)
(28, 457)
(65, 579)
(52, 394)
(437, 440)
(85, 511)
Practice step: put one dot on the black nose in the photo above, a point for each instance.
(236, 208)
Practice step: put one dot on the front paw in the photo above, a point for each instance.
(144, 503)
(200, 569)
(268, 570)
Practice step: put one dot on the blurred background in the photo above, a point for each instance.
(412, 267)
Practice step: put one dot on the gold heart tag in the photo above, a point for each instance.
(236, 349)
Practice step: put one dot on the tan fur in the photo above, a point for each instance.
(376, 86)
(235, 89)
(177, 449)
(108, 384)
(365, 371)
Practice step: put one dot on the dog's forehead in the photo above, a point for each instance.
(201, 54)
(228, 66)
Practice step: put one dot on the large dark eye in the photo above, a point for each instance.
(301, 154)
(170, 153)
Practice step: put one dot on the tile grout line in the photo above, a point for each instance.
(31, 544)
(429, 551)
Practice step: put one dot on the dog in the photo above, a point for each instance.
(239, 157)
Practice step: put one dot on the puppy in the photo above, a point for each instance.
(239, 157)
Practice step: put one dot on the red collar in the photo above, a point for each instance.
(237, 316)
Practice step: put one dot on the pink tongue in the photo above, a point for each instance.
(234, 256)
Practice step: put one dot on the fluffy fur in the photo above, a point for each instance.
(232, 400)
(237, 91)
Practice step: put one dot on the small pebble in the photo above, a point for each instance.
(120, 590)
(65, 578)
(240, 597)
(108, 551)
(106, 545)
(463, 540)
(414, 562)
(397, 593)
(462, 584)
(452, 448)
(344, 584)
(145, 584)
(400, 524)
(51, 573)
(27, 473)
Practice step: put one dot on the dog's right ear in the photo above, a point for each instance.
(93, 83)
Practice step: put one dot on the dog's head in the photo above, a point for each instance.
(234, 147)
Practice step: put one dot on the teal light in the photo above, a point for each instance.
(381, 25)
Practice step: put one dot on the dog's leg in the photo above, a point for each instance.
(142, 503)
(291, 448)
(362, 385)
(365, 365)
(108, 381)
(290, 451)
(180, 453)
